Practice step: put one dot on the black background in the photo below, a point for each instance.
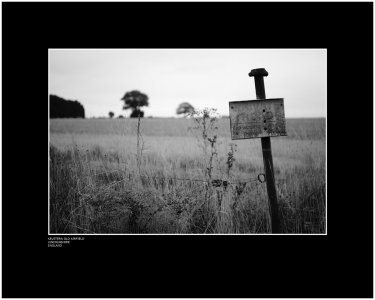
(339, 264)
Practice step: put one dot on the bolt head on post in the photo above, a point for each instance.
(258, 75)
(258, 72)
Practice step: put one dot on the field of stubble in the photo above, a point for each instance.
(103, 178)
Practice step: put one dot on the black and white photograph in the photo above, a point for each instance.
(187, 141)
(196, 149)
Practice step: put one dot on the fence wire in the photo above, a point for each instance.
(215, 182)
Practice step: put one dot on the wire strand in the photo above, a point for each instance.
(215, 182)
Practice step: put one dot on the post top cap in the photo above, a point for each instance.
(258, 72)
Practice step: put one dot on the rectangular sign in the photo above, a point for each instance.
(257, 118)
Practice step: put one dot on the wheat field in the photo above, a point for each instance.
(106, 176)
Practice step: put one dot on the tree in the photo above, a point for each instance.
(61, 108)
(184, 108)
(137, 113)
(120, 117)
(111, 114)
(134, 100)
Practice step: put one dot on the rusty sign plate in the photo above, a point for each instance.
(257, 118)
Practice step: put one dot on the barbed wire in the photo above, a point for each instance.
(215, 182)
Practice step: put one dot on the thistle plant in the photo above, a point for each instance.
(205, 125)
(230, 158)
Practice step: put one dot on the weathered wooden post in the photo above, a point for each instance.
(262, 118)
(258, 75)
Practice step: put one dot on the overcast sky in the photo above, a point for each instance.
(203, 77)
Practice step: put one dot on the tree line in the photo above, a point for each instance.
(61, 108)
(134, 100)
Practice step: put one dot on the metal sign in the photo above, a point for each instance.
(257, 118)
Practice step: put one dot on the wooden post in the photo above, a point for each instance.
(258, 75)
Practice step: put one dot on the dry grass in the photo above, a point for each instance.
(95, 186)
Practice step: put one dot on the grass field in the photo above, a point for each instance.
(102, 182)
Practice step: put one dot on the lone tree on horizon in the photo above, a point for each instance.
(111, 114)
(134, 100)
(184, 108)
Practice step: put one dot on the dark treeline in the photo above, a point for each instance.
(61, 108)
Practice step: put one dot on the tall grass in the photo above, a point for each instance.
(95, 185)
